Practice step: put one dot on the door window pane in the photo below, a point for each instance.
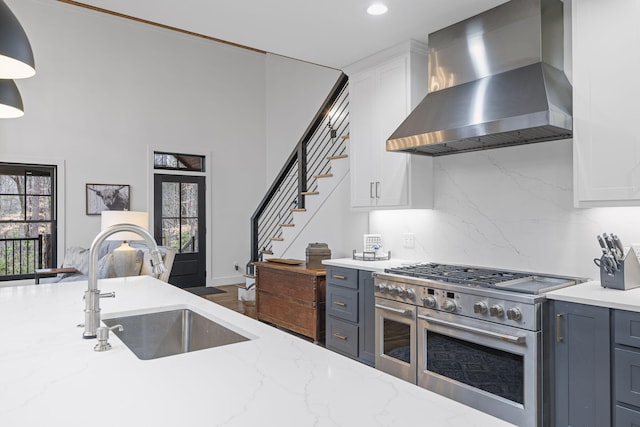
(170, 200)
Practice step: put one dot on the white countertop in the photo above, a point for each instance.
(49, 375)
(366, 265)
(591, 293)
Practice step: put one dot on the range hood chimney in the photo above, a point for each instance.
(495, 80)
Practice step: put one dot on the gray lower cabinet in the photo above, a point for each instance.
(626, 368)
(582, 380)
(350, 311)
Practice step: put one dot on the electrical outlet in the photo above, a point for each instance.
(408, 240)
(235, 266)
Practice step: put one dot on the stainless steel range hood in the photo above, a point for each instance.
(495, 80)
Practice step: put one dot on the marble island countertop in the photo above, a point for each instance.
(51, 376)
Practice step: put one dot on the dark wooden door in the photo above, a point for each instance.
(179, 222)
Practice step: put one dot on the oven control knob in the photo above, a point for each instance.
(410, 294)
(496, 311)
(393, 290)
(449, 306)
(382, 288)
(514, 314)
(480, 308)
(401, 292)
(429, 302)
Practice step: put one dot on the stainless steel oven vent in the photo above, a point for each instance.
(495, 80)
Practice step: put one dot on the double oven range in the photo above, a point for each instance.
(473, 334)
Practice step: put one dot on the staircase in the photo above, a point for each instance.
(313, 171)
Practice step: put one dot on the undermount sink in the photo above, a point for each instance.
(166, 333)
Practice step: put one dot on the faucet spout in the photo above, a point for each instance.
(92, 294)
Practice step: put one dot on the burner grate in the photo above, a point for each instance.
(457, 274)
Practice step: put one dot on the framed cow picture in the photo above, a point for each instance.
(107, 197)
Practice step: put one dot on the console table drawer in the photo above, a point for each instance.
(342, 303)
(342, 337)
(340, 276)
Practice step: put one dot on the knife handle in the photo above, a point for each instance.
(618, 243)
(603, 245)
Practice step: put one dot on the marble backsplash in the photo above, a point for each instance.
(510, 208)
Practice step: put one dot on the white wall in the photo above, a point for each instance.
(509, 208)
(108, 89)
(295, 92)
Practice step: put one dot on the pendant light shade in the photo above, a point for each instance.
(10, 100)
(16, 56)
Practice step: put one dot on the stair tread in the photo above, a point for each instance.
(298, 210)
(277, 239)
(266, 252)
(310, 193)
(337, 156)
(345, 136)
(286, 225)
(323, 175)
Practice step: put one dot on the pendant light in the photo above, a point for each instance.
(16, 56)
(10, 100)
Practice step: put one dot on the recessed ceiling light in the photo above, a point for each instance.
(377, 9)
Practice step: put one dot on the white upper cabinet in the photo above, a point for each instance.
(383, 89)
(606, 91)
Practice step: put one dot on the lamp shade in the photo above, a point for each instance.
(10, 100)
(16, 56)
(110, 218)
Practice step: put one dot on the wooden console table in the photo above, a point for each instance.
(292, 297)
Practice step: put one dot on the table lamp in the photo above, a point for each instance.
(124, 256)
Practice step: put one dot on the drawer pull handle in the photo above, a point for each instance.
(339, 304)
(337, 276)
(559, 337)
(340, 337)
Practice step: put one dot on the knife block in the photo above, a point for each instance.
(628, 277)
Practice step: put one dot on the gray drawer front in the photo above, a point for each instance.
(626, 417)
(340, 276)
(627, 328)
(342, 303)
(342, 337)
(627, 376)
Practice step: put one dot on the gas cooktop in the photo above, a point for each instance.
(483, 277)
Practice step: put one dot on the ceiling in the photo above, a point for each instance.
(332, 33)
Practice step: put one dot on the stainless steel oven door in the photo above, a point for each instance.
(395, 341)
(490, 367)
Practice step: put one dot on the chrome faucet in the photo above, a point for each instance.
(92, 295)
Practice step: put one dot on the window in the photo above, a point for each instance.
(28, 232)
(181, 162)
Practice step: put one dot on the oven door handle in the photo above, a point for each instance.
(503, 337)
(407, 312)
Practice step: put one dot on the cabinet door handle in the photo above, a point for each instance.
(338, 276)
(339, 304)
(340, 337)
(371, 190)
(377, 189)
(559, 337)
